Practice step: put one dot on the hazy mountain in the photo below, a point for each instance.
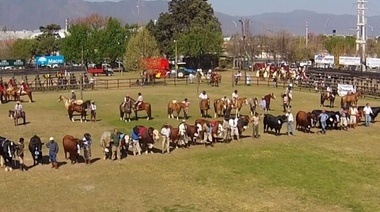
(30, 14)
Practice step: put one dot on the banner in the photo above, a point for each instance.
(373, 62)
(324, 59)
(50, 60)
(349, 61)
(12, 63)
(343, 89)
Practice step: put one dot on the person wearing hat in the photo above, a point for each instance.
(289, 123)
(93, 111)
(139, 100)
(87, 141)
(203, 96)
(23, 87)
(343, 118)
(53, 151)
(353, 112)
(323, 118)
(186, 103)
(73, 97)
(182, 128)
(116, 144)
(20, 154)
(367, 110)
(18, 108)
(165, 133)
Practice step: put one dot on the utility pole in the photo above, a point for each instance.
(242, 45)
(138, 13)
(361, 37)
(307, 34)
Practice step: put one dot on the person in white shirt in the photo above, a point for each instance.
(93, 111)
(353, 111)
(367, 112)
(139, 100)
(203, 96)
(289, 123)
(182, 132)
(234, 97)
(165, 132)
(18, 108)
(234, 129)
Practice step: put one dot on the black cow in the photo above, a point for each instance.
(273, 122)
(375, 112)
(332, 121)
(7, 150)
(35, 148)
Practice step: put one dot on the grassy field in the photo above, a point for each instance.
(338, 171)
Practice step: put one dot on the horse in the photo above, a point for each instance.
(267, 100)
(239, 104)
(330, 97)
(15, 116)
(253, 102)
(82, 109)
(143, 106)
(215, 79)
(126, 111)
(7, 151)
(3, 96)
(192, 133)
(72, 146)
(353, 98)
(204, 106)
(220, 107)
(148, 137)
(174, 135)
(105, 143)
(27, 92)
(177, 107)
(35, 148)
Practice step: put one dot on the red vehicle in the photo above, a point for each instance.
(99, 69)
(157, 66)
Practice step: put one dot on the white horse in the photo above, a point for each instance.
(67, 102)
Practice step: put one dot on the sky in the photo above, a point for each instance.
(254, 7)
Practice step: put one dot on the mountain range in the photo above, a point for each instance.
(31, 14)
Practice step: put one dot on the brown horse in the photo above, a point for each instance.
(267, 100)
(239, 104)
(71, 145)
(126, 111)
(192, 133)
(220, 107)
(143, 106)
(177, 107)
(174, 135)
(328, 97)
(204, 106)
(82, 109)
(215, 80)
(15, 116)
(16, 94)
(3, 95)
(350, 99)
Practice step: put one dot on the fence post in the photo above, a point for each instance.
(232, 79)
(107, 84)
(118, 83)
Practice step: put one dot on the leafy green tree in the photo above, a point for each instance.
(339, 46)
(48, 41)
(140, 45)
(23, 49)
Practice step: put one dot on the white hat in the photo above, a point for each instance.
(51, 139)
(183, 120)
(291, 84)
(72, 91)
(18, 102)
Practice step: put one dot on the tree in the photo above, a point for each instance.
(140, 45)
(339, 46)
(23, 48)
(49, 41)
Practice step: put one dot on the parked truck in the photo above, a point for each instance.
(100, 69)
(159, 67)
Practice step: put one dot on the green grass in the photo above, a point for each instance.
(310, 172)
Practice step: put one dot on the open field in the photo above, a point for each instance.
(338, 171)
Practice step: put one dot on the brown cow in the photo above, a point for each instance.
(70, 145)
(305, 121)
(192, 133)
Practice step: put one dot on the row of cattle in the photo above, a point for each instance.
(307, 120)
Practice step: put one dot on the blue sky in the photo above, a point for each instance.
(253, 7)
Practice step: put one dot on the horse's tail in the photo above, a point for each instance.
(342, 101)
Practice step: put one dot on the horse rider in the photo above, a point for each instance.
(187, 104)
(329, 91)
(18, 108)
(73, 97)
(182, 132)
(93, 110)
(11, 84)
(87, 141)
(289, 91)
(234, 97)
(139, 100)
(23, 87)
(225, 101)
(203, 96)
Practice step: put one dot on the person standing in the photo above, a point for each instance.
(263, 105)
(227, 131)
(18, 108)
(87, 147)
(165, 132)
(186, 108)
(289, 123)
(255, 120)
(367, 112)
(323, 118)
(53, 151)
(234, 128)
(182, 132)
(20, 154)
(93, 111)
(353, 111)
(115, 140)
(343, 119)
(136, 149)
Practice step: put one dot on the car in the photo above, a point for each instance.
(182, 72)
